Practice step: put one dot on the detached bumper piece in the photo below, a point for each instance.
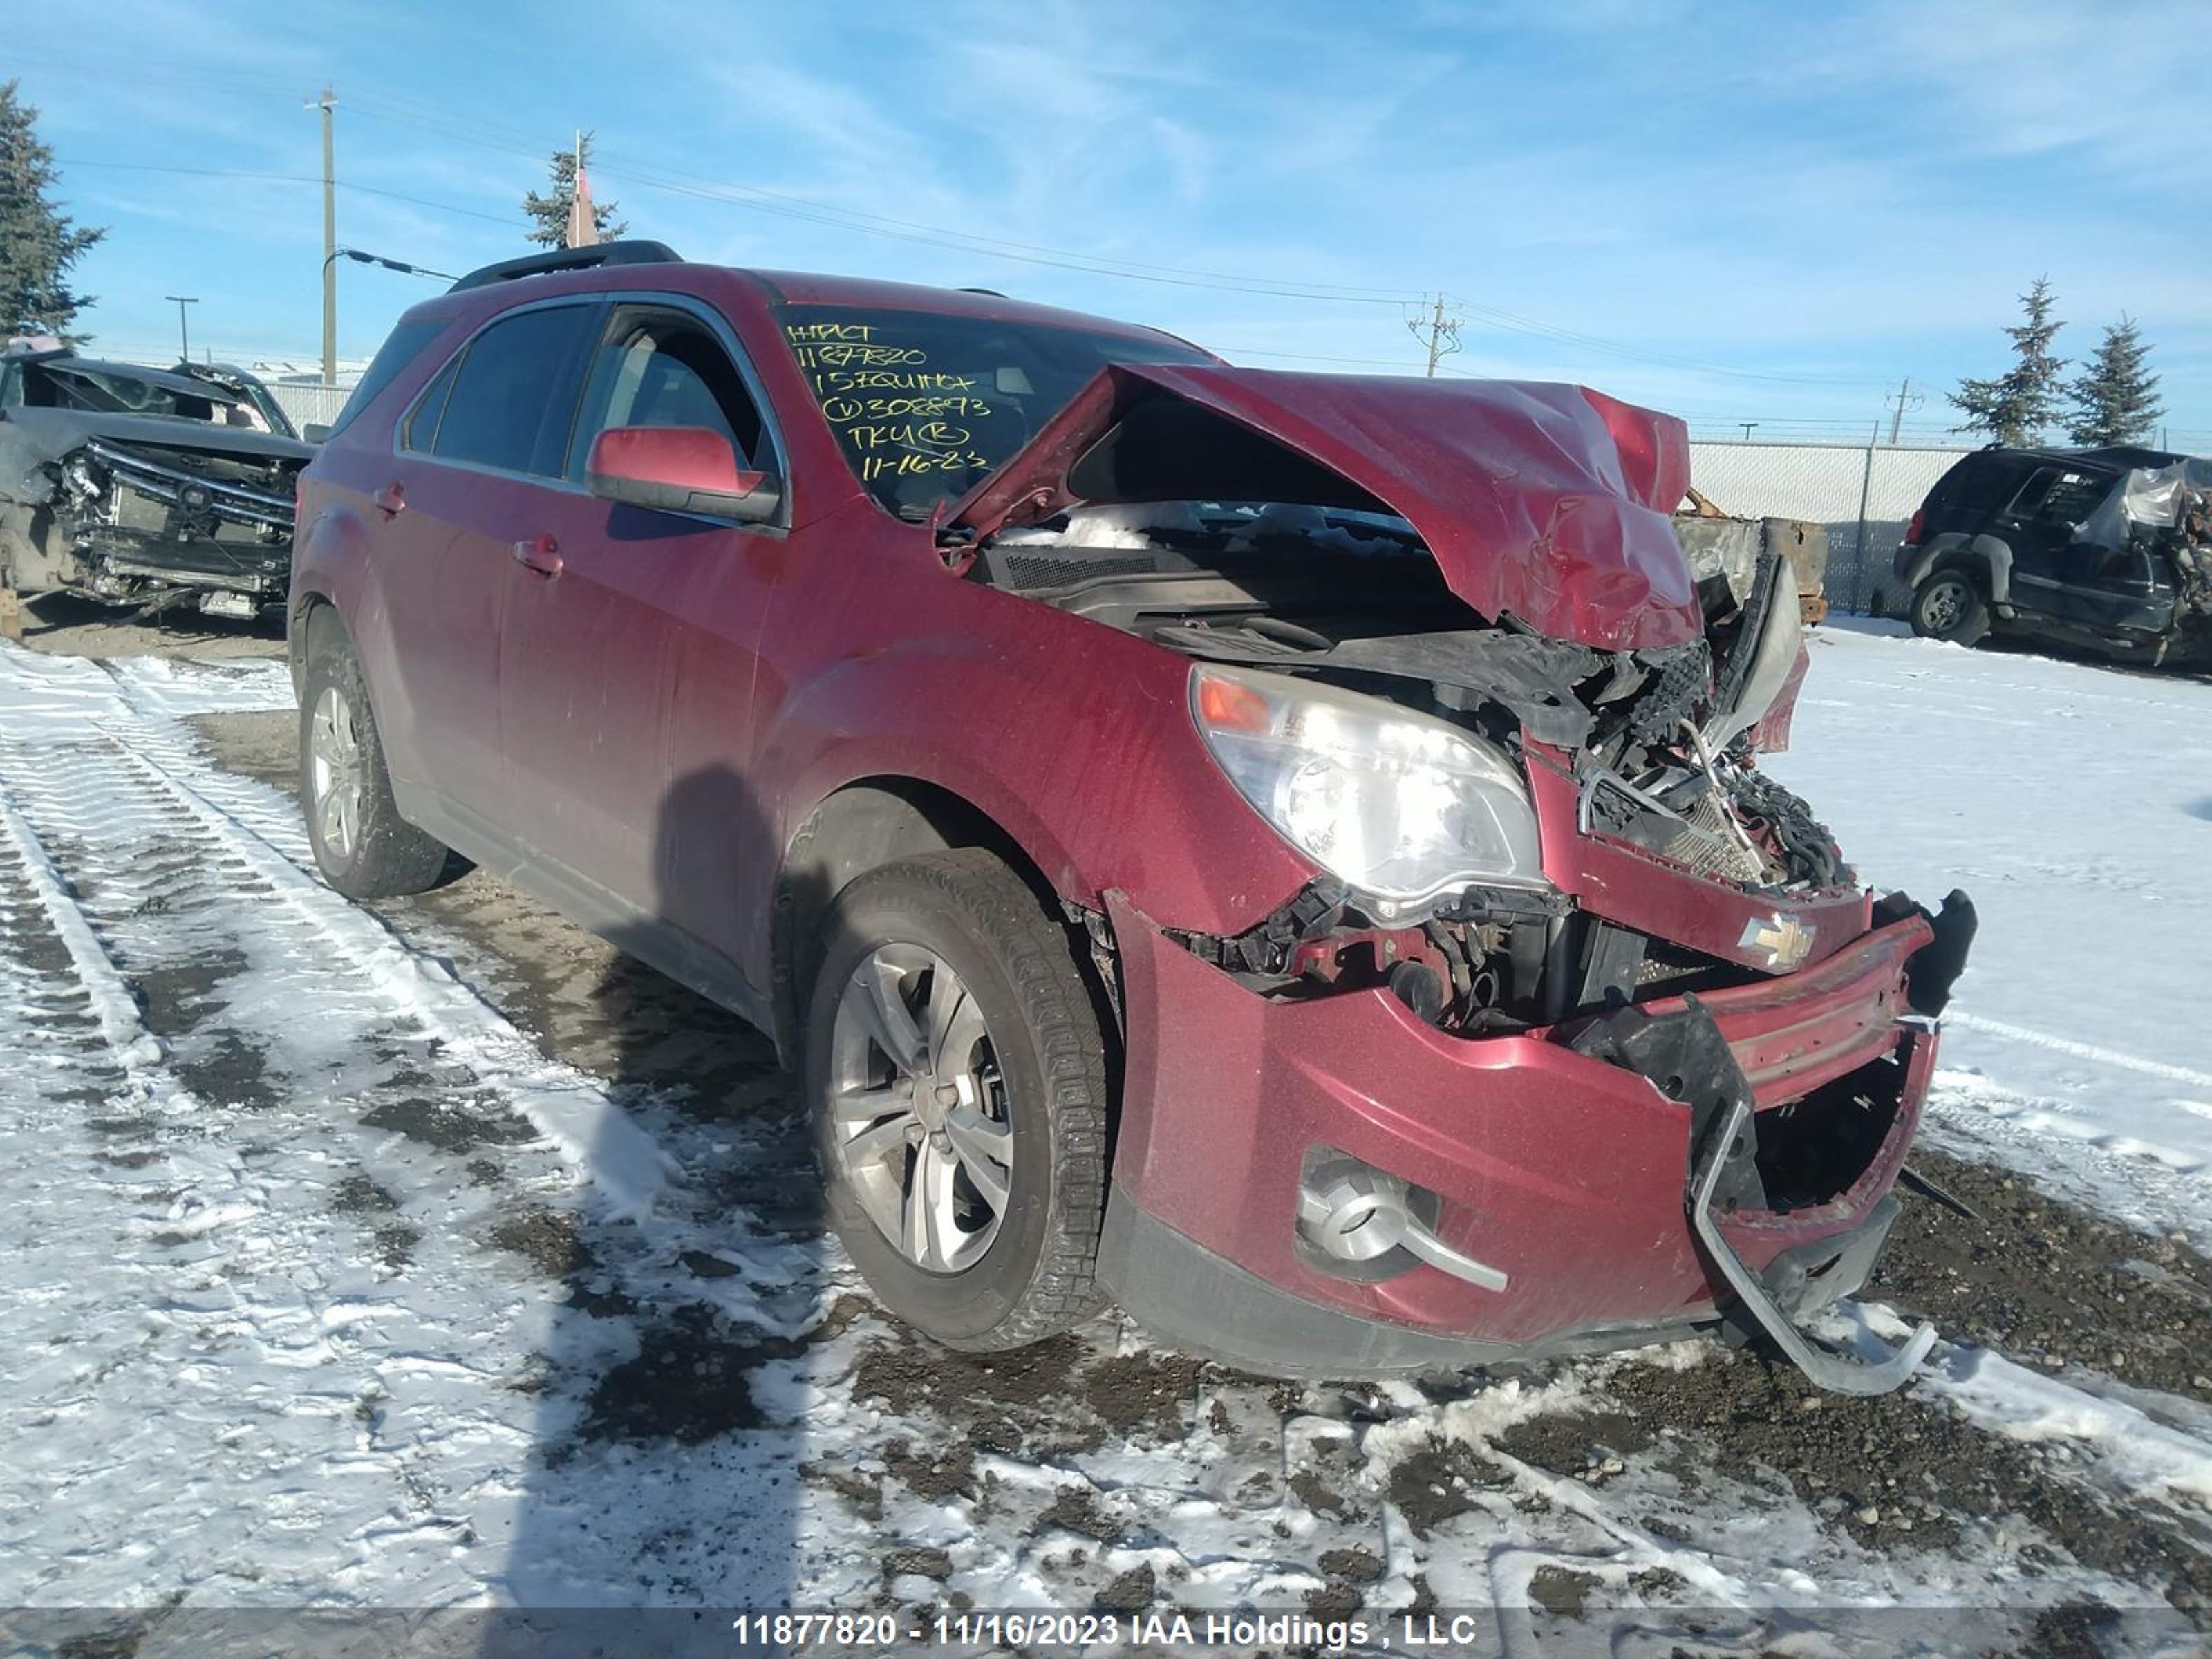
(1685, 1056)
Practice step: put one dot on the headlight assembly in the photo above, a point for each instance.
(1399, 806)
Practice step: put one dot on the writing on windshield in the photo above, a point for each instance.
(925, 405)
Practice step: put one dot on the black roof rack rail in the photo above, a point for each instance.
(634, 252)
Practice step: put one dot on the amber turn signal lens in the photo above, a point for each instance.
(1226, 705)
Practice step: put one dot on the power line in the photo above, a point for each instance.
(1400, 364)
(659, 175)
(679, 183)
(496, 136)
(512, 220)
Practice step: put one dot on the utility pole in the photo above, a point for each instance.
(184, 329)
(1439, 332)
(1749, 427)
(1903, 401)
(326, 103)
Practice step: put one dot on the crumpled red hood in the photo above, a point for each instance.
(1547, 502)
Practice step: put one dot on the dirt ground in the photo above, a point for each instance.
(67, 626)
(2051, 1287)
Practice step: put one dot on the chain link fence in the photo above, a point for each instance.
(1865, 494)
(311, 404)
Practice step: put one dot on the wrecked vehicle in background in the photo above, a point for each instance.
(1285, 851)
(147, 488)
(2105, 549)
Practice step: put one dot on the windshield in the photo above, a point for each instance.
(925, 405)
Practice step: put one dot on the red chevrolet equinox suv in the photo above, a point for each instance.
(1283, 851)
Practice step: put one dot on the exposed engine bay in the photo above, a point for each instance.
(1661, 742)
(145, 488)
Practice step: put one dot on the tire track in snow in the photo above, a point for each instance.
(324, 1420)
(216, 1304)
(2079, 1050)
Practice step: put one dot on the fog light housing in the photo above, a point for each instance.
(1368, 1223)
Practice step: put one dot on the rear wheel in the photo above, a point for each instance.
(361, 845)
(1948, 606)
(957, 1074)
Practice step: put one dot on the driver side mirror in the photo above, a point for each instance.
(679, 469)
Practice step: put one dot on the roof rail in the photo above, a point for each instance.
(634, 252)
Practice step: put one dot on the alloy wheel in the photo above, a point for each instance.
(919, 1116)
(335, 772)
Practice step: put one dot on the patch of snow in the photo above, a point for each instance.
(2073, 803)
(1123, 525)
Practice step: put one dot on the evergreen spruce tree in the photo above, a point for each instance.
(2115, 396)
(39, 243)
(2015, 407)
(552, 211)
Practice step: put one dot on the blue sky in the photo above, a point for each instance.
(1737, 212)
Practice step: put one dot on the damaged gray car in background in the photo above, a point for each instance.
(146, 488)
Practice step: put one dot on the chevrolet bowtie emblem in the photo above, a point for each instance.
(1784, 939)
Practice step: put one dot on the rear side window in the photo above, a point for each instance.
(2057, 496)
(514, 391)
(401, 347)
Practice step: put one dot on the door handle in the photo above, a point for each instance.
(390, 500)
(539, 553)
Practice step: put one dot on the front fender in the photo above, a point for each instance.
(1085, 757)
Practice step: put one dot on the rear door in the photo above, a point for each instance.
(484, 440)
(628, 652)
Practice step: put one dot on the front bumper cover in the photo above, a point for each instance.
(1572, 1172)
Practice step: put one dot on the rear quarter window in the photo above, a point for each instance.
(401, 347)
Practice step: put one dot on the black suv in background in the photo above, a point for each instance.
(2107, 549)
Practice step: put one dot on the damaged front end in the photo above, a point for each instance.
(140, 504)
(1518, 734)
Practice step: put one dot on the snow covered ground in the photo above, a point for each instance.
(326, 1281)
(2074, 804)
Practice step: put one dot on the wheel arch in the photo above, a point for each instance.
(861, 826)
(310, 609)
(1986, 559)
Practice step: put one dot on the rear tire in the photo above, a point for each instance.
(1948, 606)
(361, 845)
(954, 1065)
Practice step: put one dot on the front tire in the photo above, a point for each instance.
(1949, 607)
(361, 845)
(957, 1074)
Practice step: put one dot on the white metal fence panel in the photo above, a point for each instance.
(1864, 495)
(309, 405)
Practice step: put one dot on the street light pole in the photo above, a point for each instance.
(326, 103)
(184, 329)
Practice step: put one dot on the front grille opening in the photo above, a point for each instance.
(1814, 1151)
